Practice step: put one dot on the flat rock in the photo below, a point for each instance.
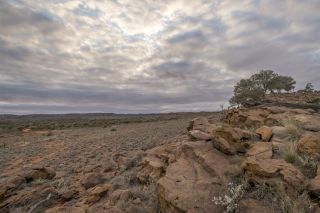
(261, 150)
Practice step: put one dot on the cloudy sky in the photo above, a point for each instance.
(128, 56)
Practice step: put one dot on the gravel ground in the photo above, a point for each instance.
(85, 146)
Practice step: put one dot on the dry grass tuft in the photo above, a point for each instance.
(293, 128)
(290, 155)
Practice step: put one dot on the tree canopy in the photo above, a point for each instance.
(309, 87)
(259, 84)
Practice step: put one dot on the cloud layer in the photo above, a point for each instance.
(125, 56)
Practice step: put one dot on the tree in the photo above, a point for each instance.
(246, 90)
(280, 83)
(309, 88)
(288, 82)
(263, 79)
(257, 86)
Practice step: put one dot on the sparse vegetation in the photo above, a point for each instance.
(232, 197)
(58, 122)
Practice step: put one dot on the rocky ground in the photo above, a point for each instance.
(259, 159)
(77, 170)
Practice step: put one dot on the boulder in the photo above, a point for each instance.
(201, 124)
(39, 173)
(265, 133)
(260, 150)
(97, 192)
(91, 180)
(309, 145)
(246, 117)
(273, 168)
(153, 168)
(109, 165)
(67, 195)
(230, 140)
(193, 180)
(309, 122)
(253, 206)
(235, 135)
(156, 161)
(120, 194)
(197, 134)
(314, 186)
(223, 146)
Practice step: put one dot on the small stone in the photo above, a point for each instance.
(136, 201)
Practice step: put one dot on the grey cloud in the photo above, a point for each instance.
(147, 56)
(14, 18)
(187, 36)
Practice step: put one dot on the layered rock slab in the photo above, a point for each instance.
(274, 168)
(193, 180)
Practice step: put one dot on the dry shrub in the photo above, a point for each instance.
(232, 197)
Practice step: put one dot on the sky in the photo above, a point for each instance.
(148, 56)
